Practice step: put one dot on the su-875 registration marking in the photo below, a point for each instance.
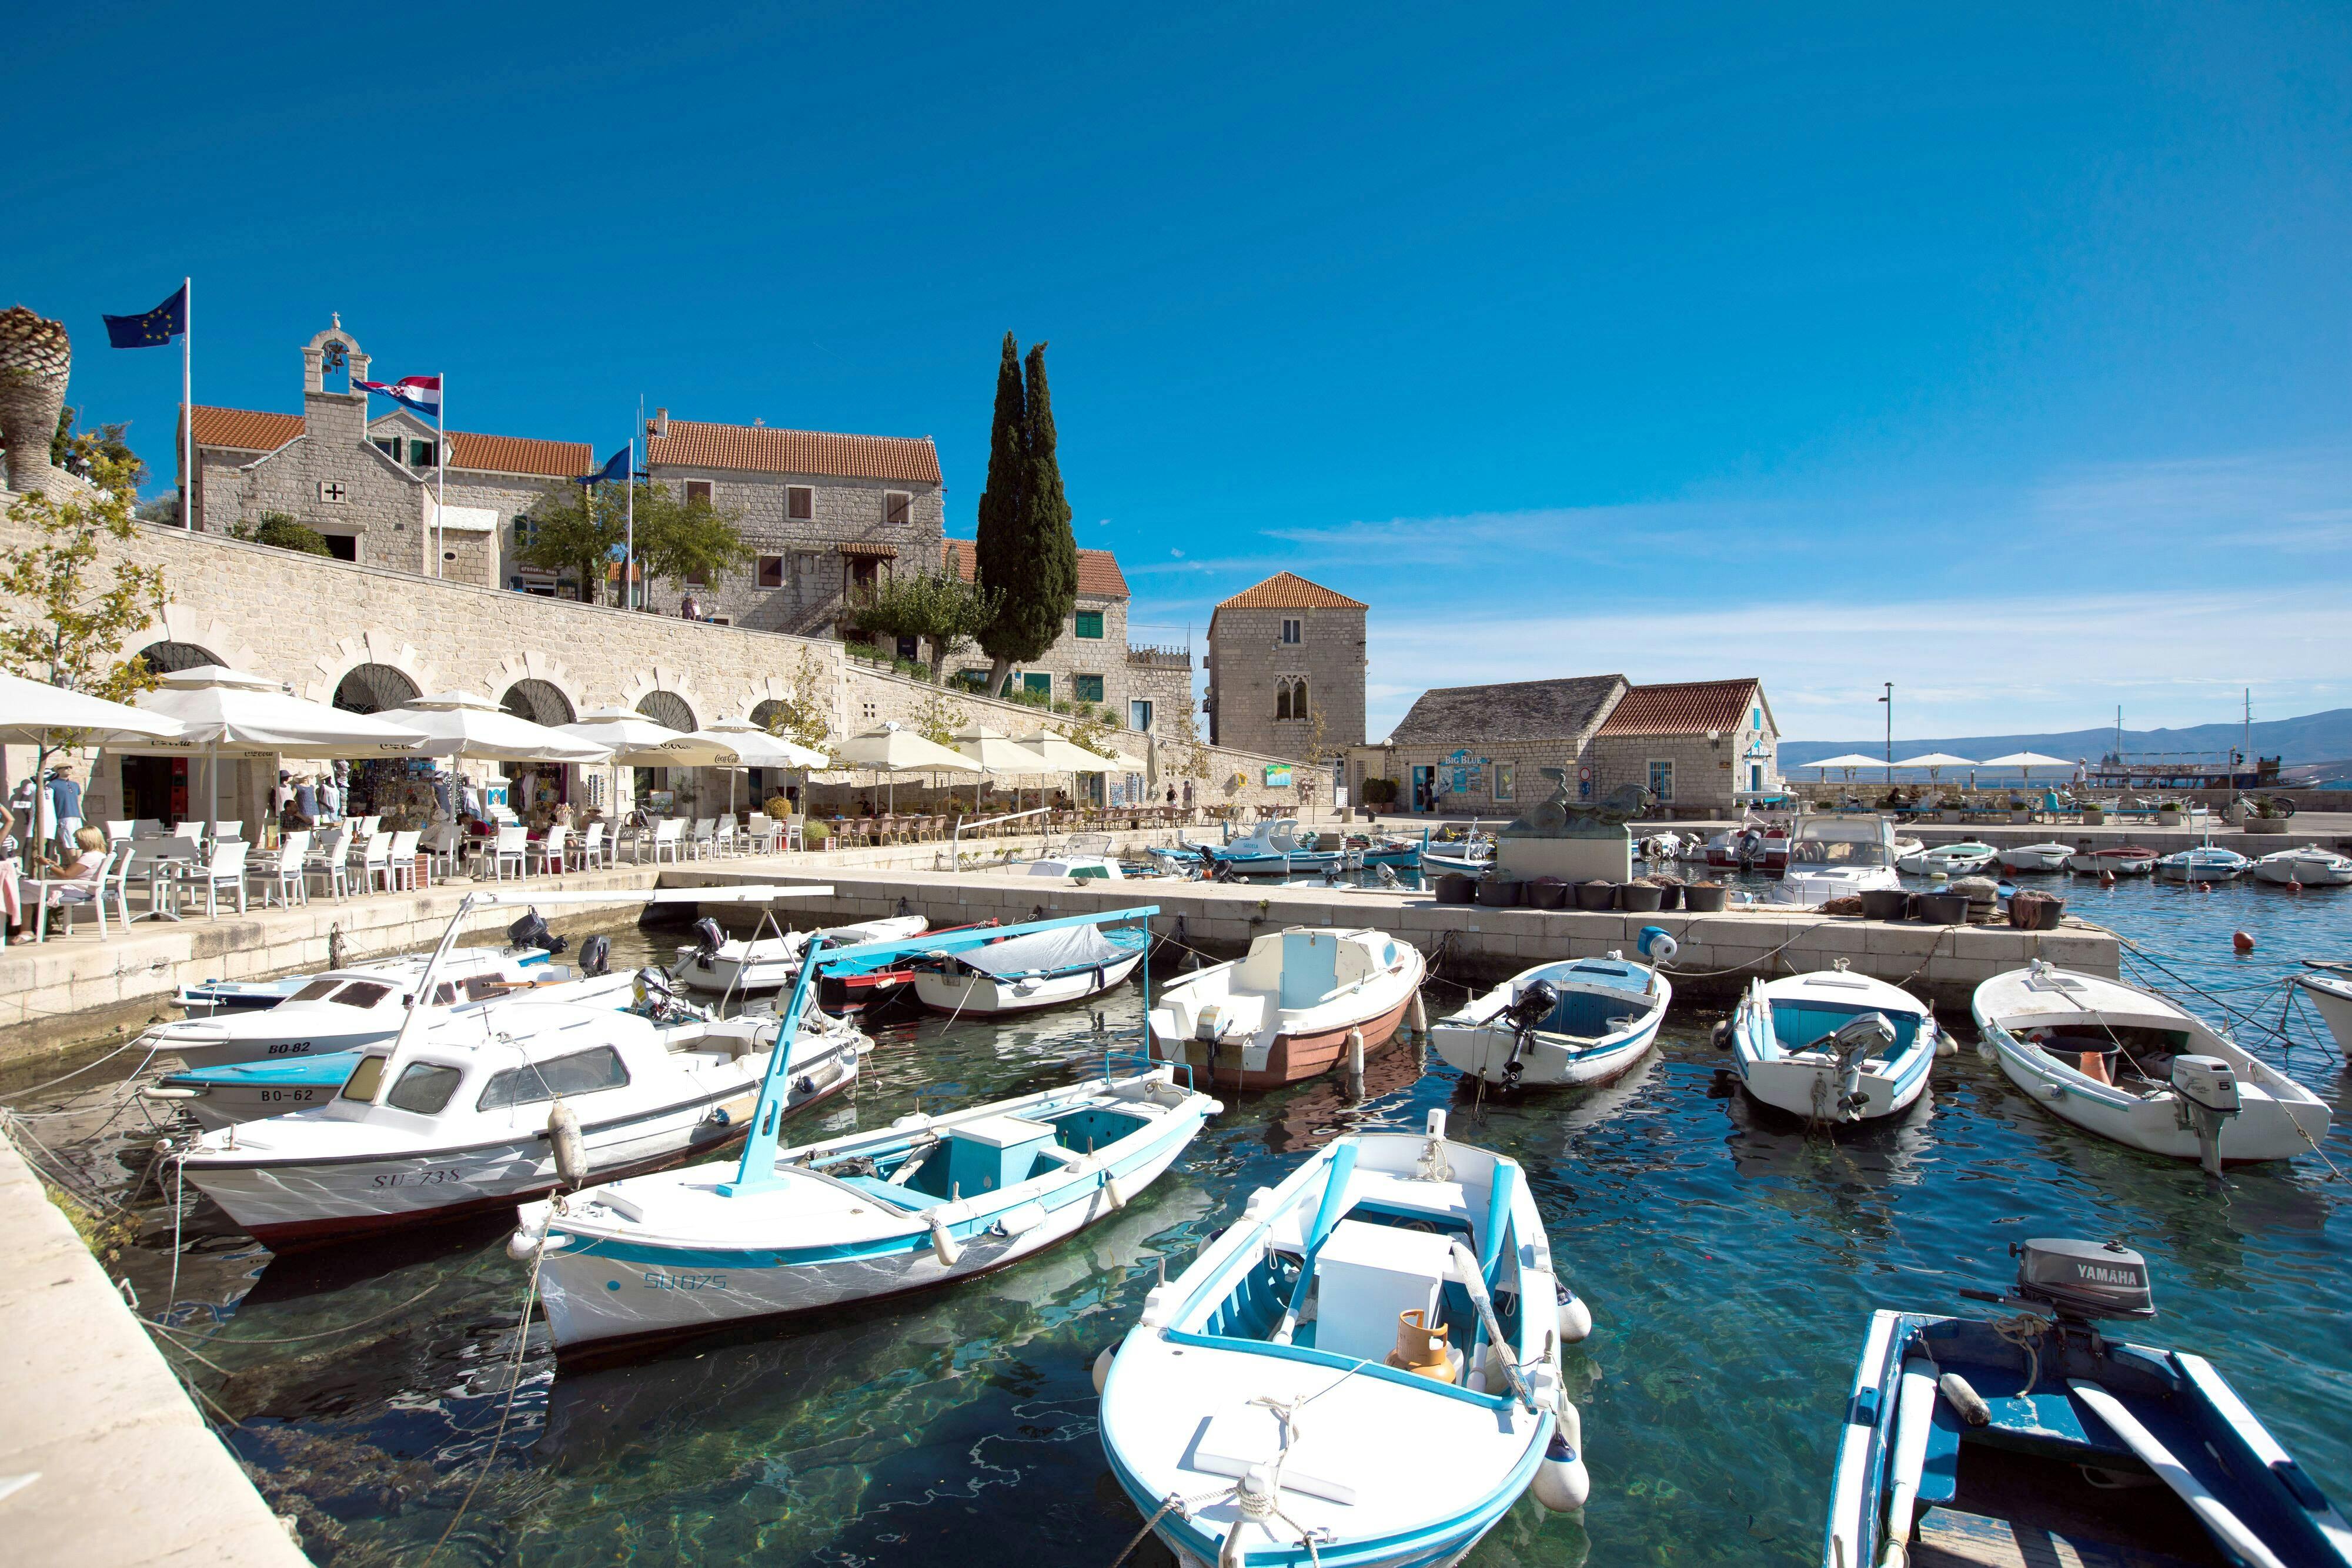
(672, 1279)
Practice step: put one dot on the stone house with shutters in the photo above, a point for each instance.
(369, 486)
(1701, 746)
(823, 514)
(1282, 654)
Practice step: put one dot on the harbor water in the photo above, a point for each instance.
(1730, 1255)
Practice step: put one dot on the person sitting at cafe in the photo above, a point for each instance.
(290, 819)
(78, 883)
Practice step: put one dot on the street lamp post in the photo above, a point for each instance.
(1889, 700)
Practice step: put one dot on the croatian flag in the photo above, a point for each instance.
(422, 393)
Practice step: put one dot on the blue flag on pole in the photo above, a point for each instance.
(614, 472)
(155, 329)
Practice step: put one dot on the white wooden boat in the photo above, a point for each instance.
(2328, 988)
(1278, 849)
(465, 1111)
(1086, 857)
(2203, 863)
(1022, 974)
(213, 998)
(2042, 1439)
(713, 963)
(926, 1201)
(1833, 1046)
(2123, 860)
(1964, 859)
(1285, 1012)
(2049, 856)
(1262, 1390)
(1837, 857)
(2129, 1065)
(2309, 866)
(1581, 1021)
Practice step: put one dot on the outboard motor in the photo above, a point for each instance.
(1527, 1009)
(2083, 1279)
(596, 956)
(708, 939)
(2205, 1091)
(1389, 877)
(530, 931)
(1750, 848)
(1853, 1045)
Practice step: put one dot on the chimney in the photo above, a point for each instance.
(659, 424)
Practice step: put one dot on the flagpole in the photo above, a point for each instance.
(629, 548)
(441, 480)
(188, 404)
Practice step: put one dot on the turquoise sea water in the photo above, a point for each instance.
(1731, 1258)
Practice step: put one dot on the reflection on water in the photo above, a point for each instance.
(1730, 1255)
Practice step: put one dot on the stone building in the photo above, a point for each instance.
(823, 514)
(369, 486)
(1284, 654)
(1092, 661)
(1699, 745)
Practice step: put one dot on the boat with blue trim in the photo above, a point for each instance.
(1363, 1371)
(1278, 849)
(1022, 974)
(2035, 1438)
(925, 1201)
(1583, 1020)
(221, 999)
(1832, 1045)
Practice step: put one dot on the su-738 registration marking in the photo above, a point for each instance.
(438, 1177)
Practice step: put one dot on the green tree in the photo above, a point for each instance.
(66, 621)
(678, 539)
(580, 532)
(79, 453)
(805, 716)
(940, 607)
(282, 531)
(1024, 553)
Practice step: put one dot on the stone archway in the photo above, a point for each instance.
(538, 701)
(166, 658)
(348, 653)
(371, 688)
(534, 669)
(208, 634)
(664, 707)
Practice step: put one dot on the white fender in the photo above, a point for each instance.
(943, 1245)
(1562, 1483)
(523, 1246)
(1575, 1317)
(1102, 1368)
(564, 1137)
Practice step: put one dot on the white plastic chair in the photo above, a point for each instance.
(508, 850)
(553, 852)
(119, 832)
(442, 846)
(120, 889)
(375, 858)
(670, 833)
(400, 861)
(329, 862)
(702, 843)
(71, 896)
(594, 853)
(229, 829)
(282, 873)
(224, 869)
(166, 858)
(369, 827)
(147, 827)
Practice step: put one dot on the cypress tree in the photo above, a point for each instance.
(1025, 552)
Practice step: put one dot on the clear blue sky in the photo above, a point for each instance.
(2003, 354)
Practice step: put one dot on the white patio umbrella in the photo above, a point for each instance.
(636, 741)
(1847, 764)
(886, 748)
(998, 754)
(1935, 762)
(225, 712)
(755, 748)
(2025, 762)
(1061, 756)
(464, 724)
(39, 714)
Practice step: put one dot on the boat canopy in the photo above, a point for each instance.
(1047, 952)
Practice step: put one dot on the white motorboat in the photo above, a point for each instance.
(1363, 1371)
(1286, 1011)
(2203, 863)
(2131, 1066)
(1966, 859)
(1085, 858)
(925, 1201)
(1760, 842)
(2042, 1437)
(2328, 988)
(1022, 974)
(2050, 856)
(1832, 1046)
(342, 1010)
(1837, 857)
(1582, 1021)
(2122, 859)
(465, 1111)
(1278, 849)
(2309, 866)
(213, 998)
(716, 962)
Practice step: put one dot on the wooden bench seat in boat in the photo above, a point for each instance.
(1948, 1538)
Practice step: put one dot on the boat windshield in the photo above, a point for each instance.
(317, 991)
(1839, 843)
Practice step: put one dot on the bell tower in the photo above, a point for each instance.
(337, 417)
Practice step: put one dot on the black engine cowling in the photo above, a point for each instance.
(530, 931)
(596, 956)
(707, 936)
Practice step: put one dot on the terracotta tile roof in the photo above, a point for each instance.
(1563, 710)
(519, 455)
(1288, 590)
(1688, 707)
(1098, 573)
(249, 430)
(245, 429)
(693, 444)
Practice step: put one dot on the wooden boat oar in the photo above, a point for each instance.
(1915, 1419)
(2211, 1509)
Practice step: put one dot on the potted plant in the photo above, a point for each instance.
(2167, 813)
(2020, 810)
(1950, 813)
(2094, 814)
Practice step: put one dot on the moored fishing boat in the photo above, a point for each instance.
(1965, 858)
(2123, 860)
(717, 962)
(1288, 1010)
(2309, 866)
(215, 999)
(2132, 1066)
(2050, 856)
(2329, 987)
(926, 1201)
(2203, 863)
(1832, 1046)
(1837, 857)
(1022, 974)
(1964, 1440)
(1085, 858)
(1278, 849)
(1584, 1020)
(1361, 1372)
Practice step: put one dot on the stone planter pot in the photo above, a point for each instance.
(1640, 898)
(2266, 824)
(1496, 893)
(1545, 893)
(1704, 897)
(2167, 819)
(2093, 818)
(1596, 894)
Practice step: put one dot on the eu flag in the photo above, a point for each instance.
(614, 472)
(154, 330)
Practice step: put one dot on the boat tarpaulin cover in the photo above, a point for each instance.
(1053, 951)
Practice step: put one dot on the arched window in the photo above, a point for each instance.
(1299, 698)
(1282, 699)
(371, 688)
(538, 701)
(666, 708)
(169, 658)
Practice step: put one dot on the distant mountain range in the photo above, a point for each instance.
(2314, 737)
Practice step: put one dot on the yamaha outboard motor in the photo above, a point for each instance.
(530, 931)
(596, 956)
(2083, 1279)
(707, 936)
(1527, 1009)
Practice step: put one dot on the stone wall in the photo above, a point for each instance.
(1249, 662)
(1104, 659)
(815, 573)
(1162, 677)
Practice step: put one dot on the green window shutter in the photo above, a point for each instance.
(1088, 689)
(1090, 625)
(1042, 685)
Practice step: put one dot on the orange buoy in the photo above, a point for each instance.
(2106, 879)
(2204, 887)
(2242, 942)
(2295, 885)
